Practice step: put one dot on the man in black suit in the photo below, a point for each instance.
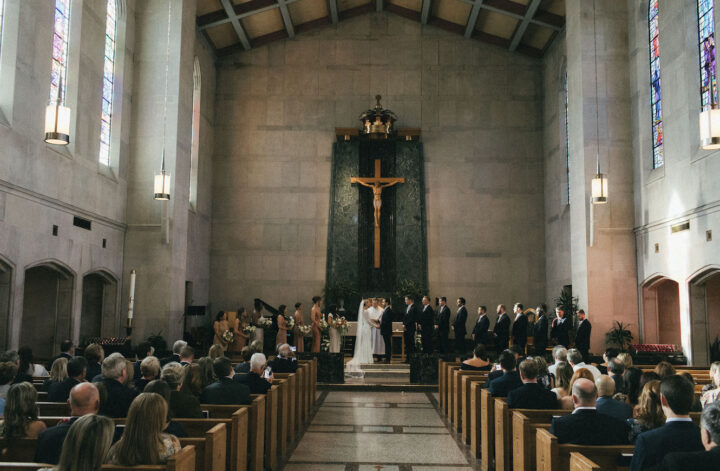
(187, 355)
(519, 327)
(586, 426)
(118, 396)
(510, 379)
(605, 402)
(427, 325)
(84, 399)
(616, 370)
(225, 390)
(284, 362)
(560, 328)
(710, 437)
(95, 355)
(443, 326)
(256, 379)
(67, 350)
(60, 391)
(679, 432)
(501, 331)
(459, 326)
(540, 331)
(582, 337)
(175, 357)
(531, 395)
(481, 328)
(411, 317)
(386, 320)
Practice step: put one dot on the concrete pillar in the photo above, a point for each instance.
(603, 274)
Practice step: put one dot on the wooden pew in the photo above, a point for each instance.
(292, 399)
(282, 415)
(256, 427)
(272, 408)
(302, 375)
(476, 388)
(451, 369)
(525, 424)
(579, 462)
(551, 456)
(458, 391)
(487, 430)
(466, 403)
(442, 382)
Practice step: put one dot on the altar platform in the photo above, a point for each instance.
(380, 377)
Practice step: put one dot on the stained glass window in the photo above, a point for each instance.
(61, 34)
(655, 91)
(706, 40)
(108, 80)
(567, 139)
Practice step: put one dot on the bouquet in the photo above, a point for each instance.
(290, 323)
(306, 330)
(249, 330)
(264, 323)
(418, 341)
(325, 344)
(228, 336)
(323, 325)
(341, 324)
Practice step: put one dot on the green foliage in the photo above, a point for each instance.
(158, 342)
(619, 336)
(411, 287)
(568, 304)
(334, 292)
(715, 350)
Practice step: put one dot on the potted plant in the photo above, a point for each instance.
(619, 336)
(410, 287)
(339, 292)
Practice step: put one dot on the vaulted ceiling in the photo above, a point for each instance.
(525, 26)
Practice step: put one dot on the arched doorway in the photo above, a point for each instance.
(6, 273)
(661, 311)
(47, 308)
(705, 313)
(99, 306)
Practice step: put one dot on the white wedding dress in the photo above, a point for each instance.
(363, 344)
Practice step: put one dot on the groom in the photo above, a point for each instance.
(386, 320)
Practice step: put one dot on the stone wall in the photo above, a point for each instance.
(480, 110)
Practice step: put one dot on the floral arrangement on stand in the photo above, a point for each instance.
(324, 335)
(306, 330)
(325, 343)
(341, 324)
(418, 341)
(249, 330)
(228, 336)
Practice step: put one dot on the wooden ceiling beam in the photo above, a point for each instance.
(522, 27)
(425, 13)
(241, 11)
(287, 20)
(472, 18)
(333, 9)
(239, 30)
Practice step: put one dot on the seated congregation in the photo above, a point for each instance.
(92, 410)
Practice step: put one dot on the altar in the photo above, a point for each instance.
(397, 336)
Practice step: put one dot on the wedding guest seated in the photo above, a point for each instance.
(632, 386)
(143, 350)
(664, 369)
(244, 366)
(192, 381)
(710, 437)
(510, 379)
(21, 412)
(208, 372)
(58, 372)
(531, 395)
(119, 396)
(95, 355)
(84, 400)
(586, 426)
(11, 356)
(625, 358)
(225, 390)
(546, 379)
(607, 356)
(497, 371)
(648, 414)
(256, 346)
(479, 360)
(575, 358)
(86, 445)
(605, 402)
(149, 371)
(143, 441)
(216, 351)
(559, 355)
(160, 387)
(711, 392)
(696, 406)
(28, 366)
(256, 379)
(182, 403)
(7, 374)
(285, 361)
(67, 351)
(616, 370)
(187, 355)
(176, 349)
(567, 401)
(60, 392)
(563, 375)
(679, 432)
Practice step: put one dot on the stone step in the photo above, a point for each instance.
(384, 367)
(387, 374)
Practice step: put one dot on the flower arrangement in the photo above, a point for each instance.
(228, 336)
(341, 324)
(249, 330)
(418, 341)
(265, 322)
(325, 343)
(290, 322)
(323, 325)
(306, 330)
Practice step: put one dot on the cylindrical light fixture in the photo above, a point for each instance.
(599, 187)
(710, 128)
(162, 182)
(57, 121)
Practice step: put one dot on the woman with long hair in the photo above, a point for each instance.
(143, 441)
(21, 412)
(27, 366)
(192, 382)
(220, 326)
(298, 337)
(208, 374)
(58, 373)
(86, 444)
(316, 316)
(711, 395)
(281, 337)
(648, 414)
(216, 351)
(567, 402)
(563, 376)
(240, 338)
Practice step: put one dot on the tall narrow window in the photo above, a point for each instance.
(2, 11)
(567, 139)
(61, 34)
(108, 81)
(706, 40)
(655, 91)
(195, 146)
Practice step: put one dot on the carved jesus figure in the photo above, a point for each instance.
(377, 189)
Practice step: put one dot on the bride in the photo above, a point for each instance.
(363, 340)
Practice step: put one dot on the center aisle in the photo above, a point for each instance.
(358, 431)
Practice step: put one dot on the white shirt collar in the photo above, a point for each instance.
(678, 419)
(584, 408)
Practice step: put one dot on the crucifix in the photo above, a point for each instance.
(377, 183)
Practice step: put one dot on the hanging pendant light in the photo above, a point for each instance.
(710, 119)
(161, 183)
(57, 120)
(599, 184)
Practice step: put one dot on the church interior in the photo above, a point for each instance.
(166, 160)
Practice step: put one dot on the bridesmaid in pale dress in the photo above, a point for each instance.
(259, 330)
(220, 326)
(333, 332)
(316, 316)
(299, 322)
(241, 338)
(282, 326)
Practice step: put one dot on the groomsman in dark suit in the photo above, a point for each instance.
(540, 330)
(482, 326)
(427, 325)
(519, 327)
(386, 320)
(560, 328)
(412, 315)
(582, 337)
(459, 326)
(501, 330)
(443, 325)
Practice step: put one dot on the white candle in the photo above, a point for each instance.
(131, 304)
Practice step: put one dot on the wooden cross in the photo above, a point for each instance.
(377, 183)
